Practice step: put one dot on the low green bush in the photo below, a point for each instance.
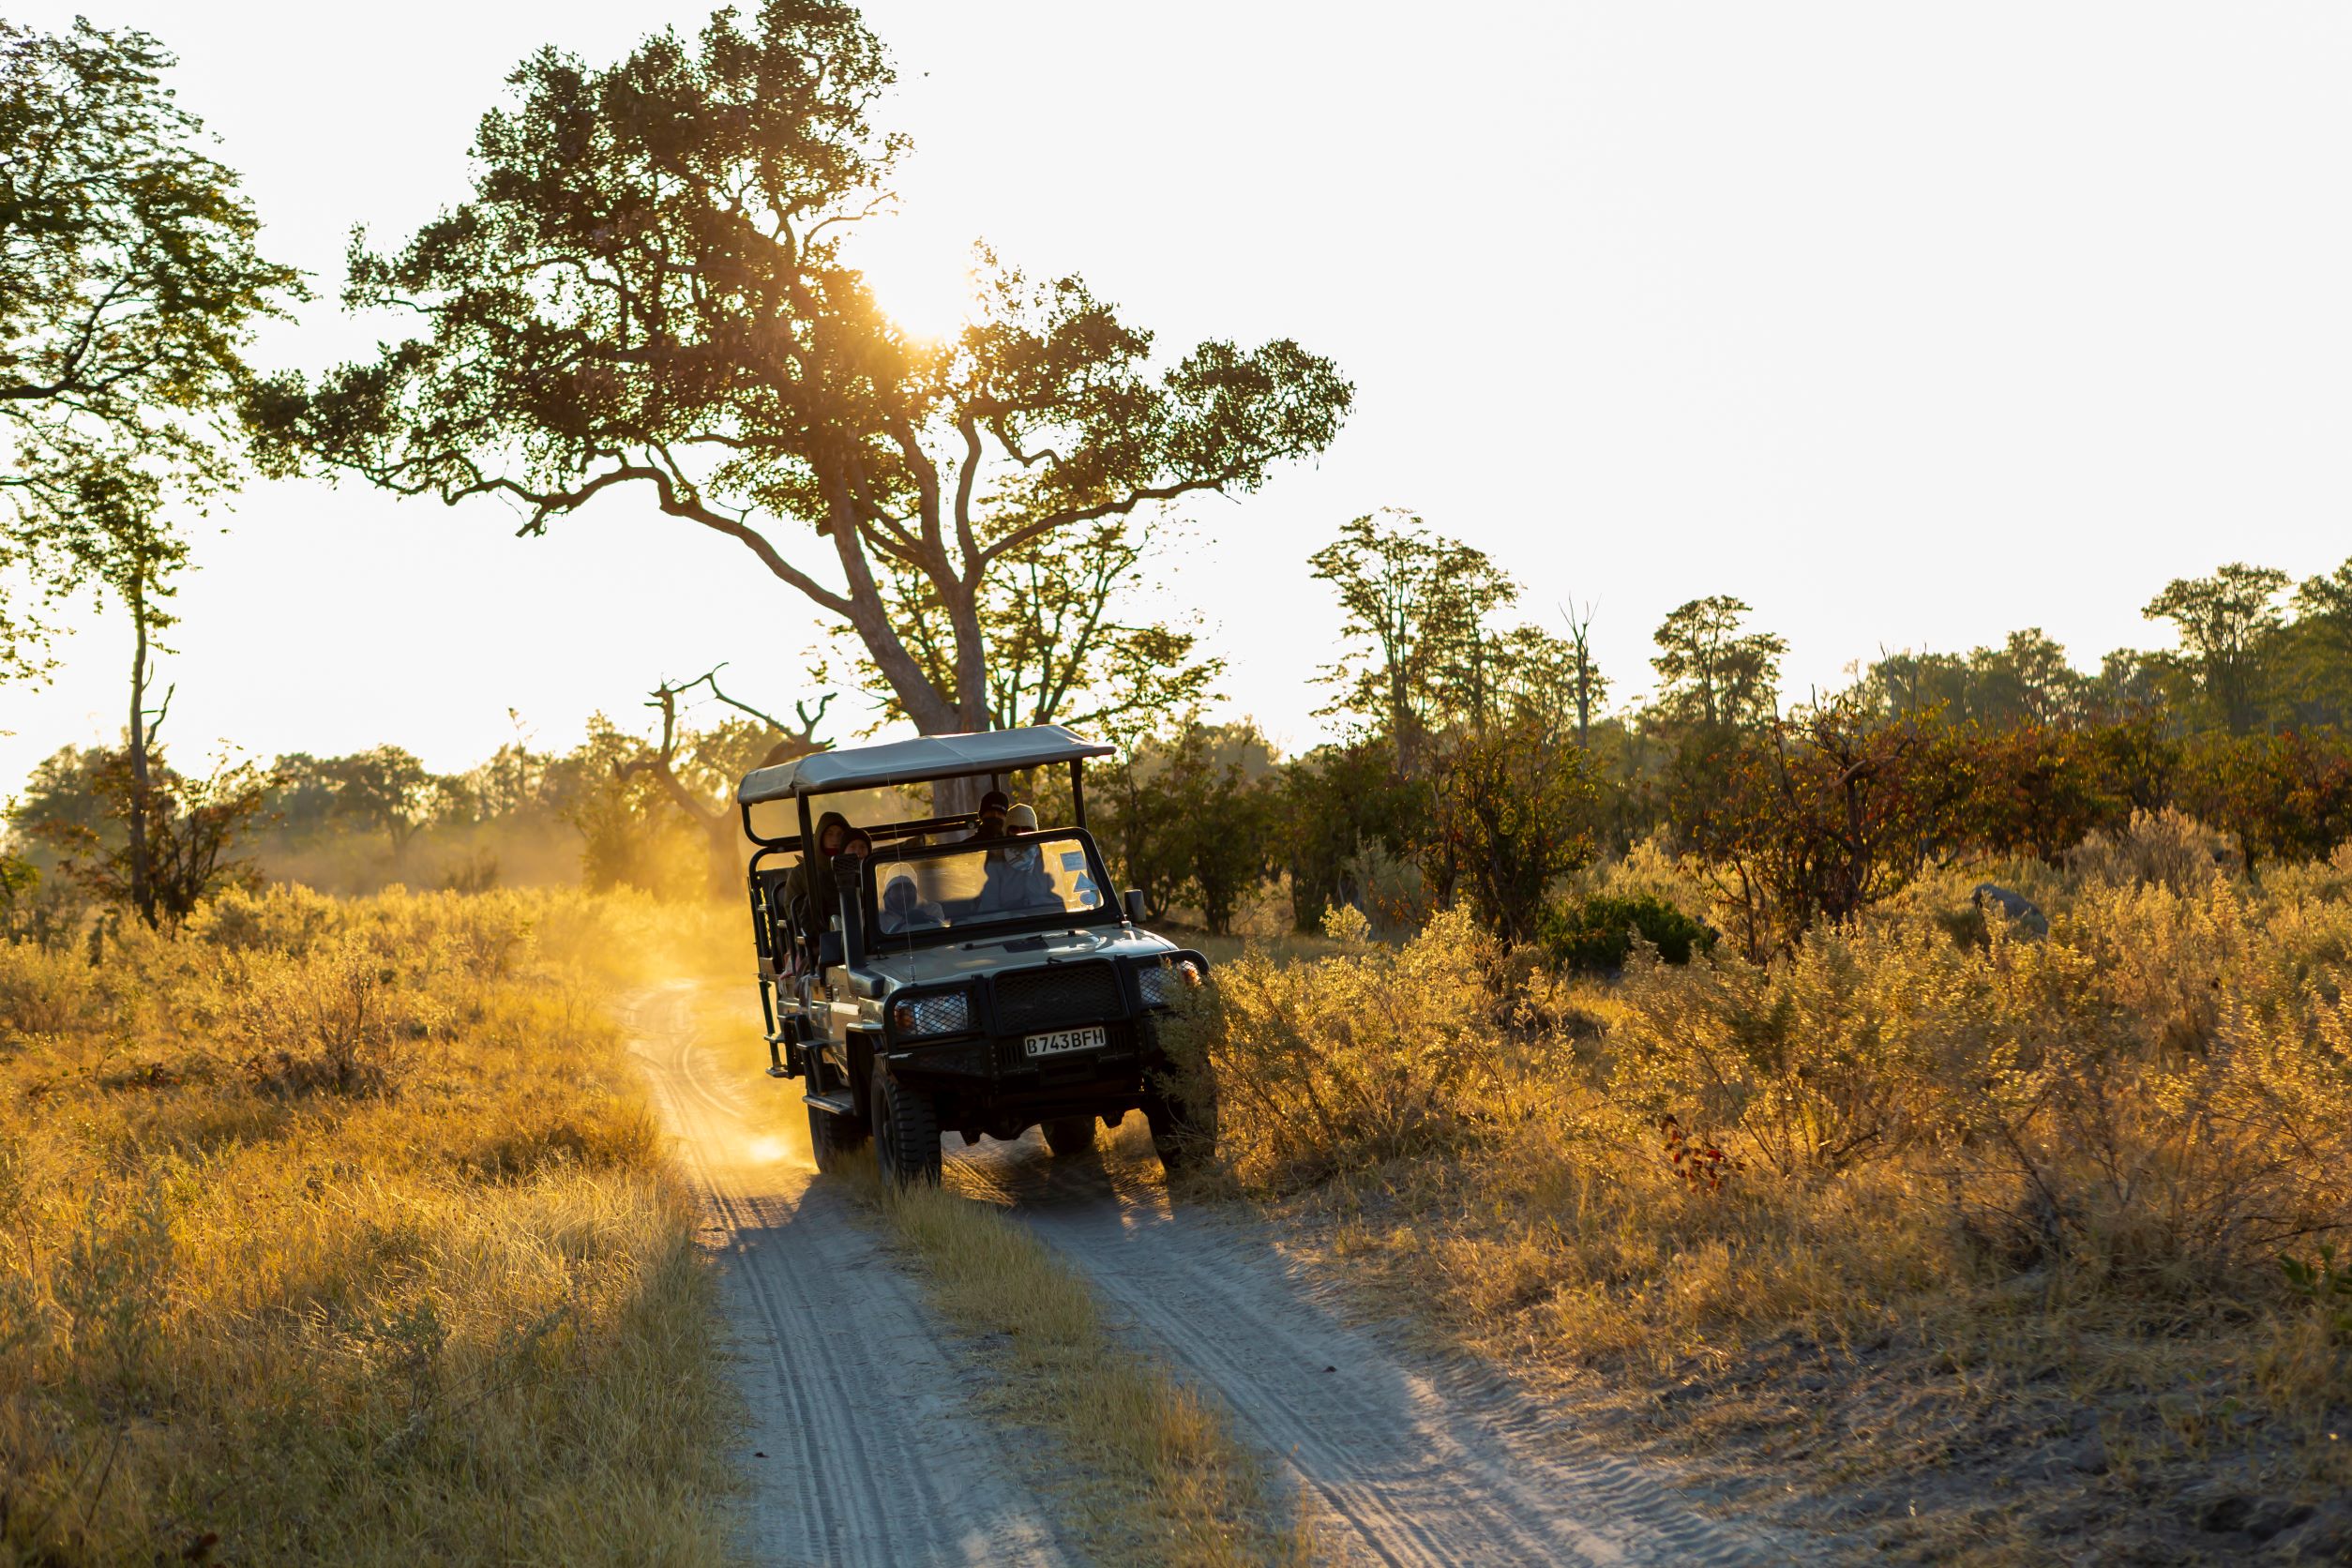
(1596, 934)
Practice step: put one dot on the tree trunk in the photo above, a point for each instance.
(142, 870)
(722, 835)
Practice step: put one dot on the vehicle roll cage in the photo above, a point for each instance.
(916, 827)
(925, 759)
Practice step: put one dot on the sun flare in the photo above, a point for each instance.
(923, 282)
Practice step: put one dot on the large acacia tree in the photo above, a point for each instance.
(647, 292)
(1710, 672)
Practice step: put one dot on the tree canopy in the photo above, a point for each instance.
(647, 289)
(129, 286)
(1710, 672)
(1416, 607)
(2223, 621)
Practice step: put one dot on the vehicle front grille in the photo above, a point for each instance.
(1029, 999)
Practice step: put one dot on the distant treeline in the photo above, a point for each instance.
(1480, 764)
(599, 812)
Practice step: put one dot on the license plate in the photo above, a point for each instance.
(1093, 1038)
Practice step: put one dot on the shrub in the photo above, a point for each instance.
(1360, 1057)
(330, 1020)
(2164, 847)
(41, 992)
(1596, 934)
(1816, 819)
(1508, 816)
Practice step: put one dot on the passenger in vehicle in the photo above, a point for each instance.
(859, 843)
(1015, 875)
(994, 806)
(812, 886)
(904, 908)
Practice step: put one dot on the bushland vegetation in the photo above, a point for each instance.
(336, 1230)
(1950, 1214)
(1700, 1068)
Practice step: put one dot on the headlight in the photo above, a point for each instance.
(941, 1013)
(1163, 982)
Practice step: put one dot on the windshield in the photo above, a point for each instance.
(989, 883)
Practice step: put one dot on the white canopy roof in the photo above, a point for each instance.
(871, 768)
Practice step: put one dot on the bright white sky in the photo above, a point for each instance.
(1908, 324)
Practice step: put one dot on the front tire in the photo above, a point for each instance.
(835, 1139)
(906, 1133)
(1068, 1137)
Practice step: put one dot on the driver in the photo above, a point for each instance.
(1015, 873)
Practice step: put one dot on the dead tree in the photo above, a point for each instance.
(1589, 685)
(722, 833)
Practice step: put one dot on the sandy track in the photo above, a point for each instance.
(1401, 1463)
(857, 1398)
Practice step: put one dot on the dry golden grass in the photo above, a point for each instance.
(337, 1232)
(1943, 1218)
(1155, 1472)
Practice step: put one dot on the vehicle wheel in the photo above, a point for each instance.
(1184, 1125)
(1069, 1137)
(832, 1139)
(906, 1133)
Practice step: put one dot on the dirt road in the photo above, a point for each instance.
(858, 1402)
(872, 1456)
(1401, 1462)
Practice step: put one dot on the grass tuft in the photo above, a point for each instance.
(1157, 1474)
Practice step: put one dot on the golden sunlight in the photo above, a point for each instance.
(922, 278)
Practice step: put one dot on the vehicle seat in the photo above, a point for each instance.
(775, 889)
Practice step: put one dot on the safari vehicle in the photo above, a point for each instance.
(954, 984)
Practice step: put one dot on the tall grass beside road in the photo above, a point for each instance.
(2023, 1235)
(337, 1232)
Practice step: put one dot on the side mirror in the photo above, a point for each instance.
(829, 950)
(1131, 902)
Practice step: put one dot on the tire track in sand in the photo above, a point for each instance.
(1400, 1463)
(856, 1393)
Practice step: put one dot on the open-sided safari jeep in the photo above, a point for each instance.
(958, 984)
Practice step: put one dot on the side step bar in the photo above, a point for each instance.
(838, 1103)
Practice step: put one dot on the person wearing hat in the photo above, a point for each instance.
(994, 807)
(1017, 878)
